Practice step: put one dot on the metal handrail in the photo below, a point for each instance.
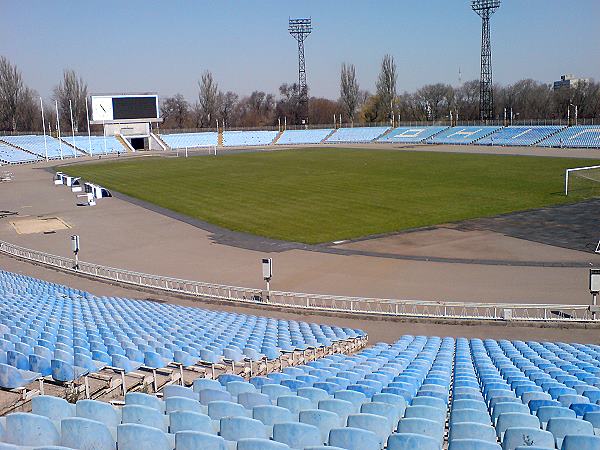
(319, 302)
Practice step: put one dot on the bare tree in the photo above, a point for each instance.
(386, 87)
(71, 88)
(28, 112)
(349, 90)
(11, 89)
(436, 99)
(227, 102)
(208, 99)
(175, 112)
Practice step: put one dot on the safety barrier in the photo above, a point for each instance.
(316, 302)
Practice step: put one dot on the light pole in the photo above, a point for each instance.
(75, 249)
(267, 271)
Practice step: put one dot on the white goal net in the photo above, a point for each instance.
(583, 180)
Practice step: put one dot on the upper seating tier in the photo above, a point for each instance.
(411, 135)
(579, 136)
(356, 135)
(40, 145)
(462, 135)
(191, 140)
(248, 138)
(519, 135)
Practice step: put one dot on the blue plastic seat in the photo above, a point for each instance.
(471, 430)
(472, 444)
(357, 398)
(275, 390)
(54, 408)
(325, 421)
(576, 442)
(12, 378)
(219, 409)
(354, 439)
(341, 407)
(294, 404)
(143, 415)
(506, 407)
(562, 426)
(582, 408)
(403, 441)
(174, 390)
(521, 436)
(30, 429)
(260, 444)
(251, 399)
(194, 440)
(189, 421)
(82, 433)
(521, 420)
(182, 404)
(296, 435)
(236, 428)
(423, 427)
(138, 398)
(99, 411)
(208, 395)
(140, 437)
(371, 422)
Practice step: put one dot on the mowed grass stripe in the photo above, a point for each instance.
(326, 194)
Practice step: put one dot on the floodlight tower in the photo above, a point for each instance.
(485, 8)
(300, 29)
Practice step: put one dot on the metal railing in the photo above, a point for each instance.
(316, 302)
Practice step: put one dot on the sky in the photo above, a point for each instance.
(164, 46)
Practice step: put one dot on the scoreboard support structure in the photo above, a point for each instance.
(131, 117)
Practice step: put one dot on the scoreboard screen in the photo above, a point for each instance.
(124, 107)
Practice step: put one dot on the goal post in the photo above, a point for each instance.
(590, 173)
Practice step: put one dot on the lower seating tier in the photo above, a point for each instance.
(418, 393)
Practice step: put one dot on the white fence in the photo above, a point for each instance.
(314, 302)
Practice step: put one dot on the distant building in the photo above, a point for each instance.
(569, 81)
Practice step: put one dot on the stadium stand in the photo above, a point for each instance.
(586, 136)
(356, 135)
(11, 155)
(519, 135)
(418, 393)
(248, 138)
(35, 144)
(53, 330)
(462, 135)
(191, 140)
(100, 145)
(411, 135)
(293, 137)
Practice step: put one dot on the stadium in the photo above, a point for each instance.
(381, 271)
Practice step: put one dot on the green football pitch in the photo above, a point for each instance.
(329, 194)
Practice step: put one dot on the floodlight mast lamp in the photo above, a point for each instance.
(484, 9)
(300, 29)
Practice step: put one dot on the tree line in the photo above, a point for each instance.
(20, 106)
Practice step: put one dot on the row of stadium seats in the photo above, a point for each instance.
(584, 136)
(248, 138)
(519, 135)
(548, 136)
(96, 145)
(462, 135)
(191, 140)
(293, 137)
(47, 329)
(411, 135)
(417, 393)
(38, 145)
(11, 155)
(356, 135)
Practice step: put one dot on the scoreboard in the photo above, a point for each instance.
(116, 108)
